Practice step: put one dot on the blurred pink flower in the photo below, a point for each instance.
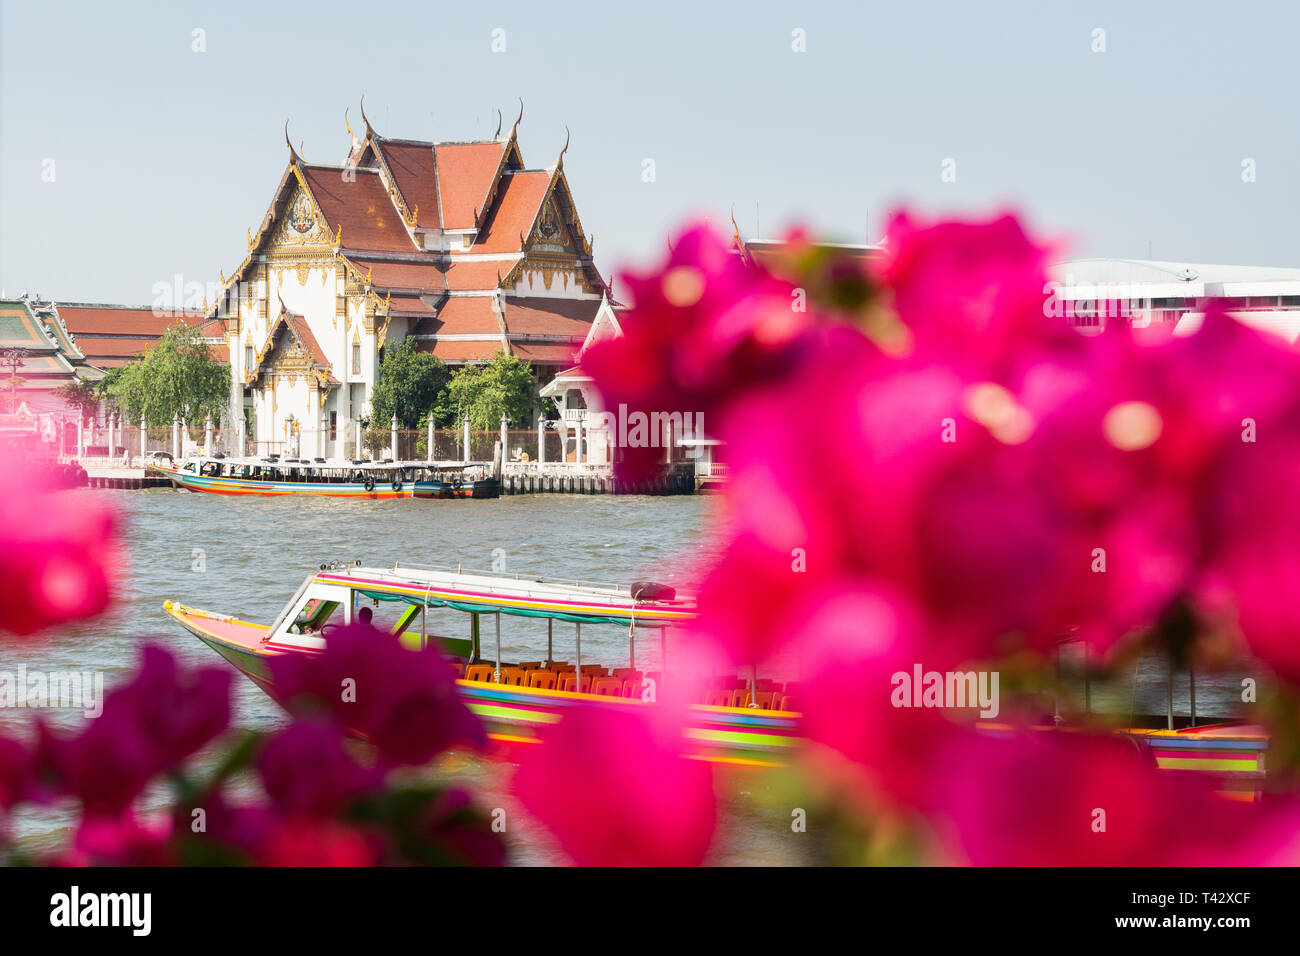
(701, 330)
(16, 772)
(852, 641)
(148, 727)
(1043, 798)
(974, 294)
(58, 559)
(306, 771)
(615, 790)
(123, 840)
(403, 701)
(313, 841)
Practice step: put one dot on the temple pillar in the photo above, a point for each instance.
(541, 441)
(392, 431)
(466, 439)
(207, 437)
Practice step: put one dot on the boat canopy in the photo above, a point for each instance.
(483, 593)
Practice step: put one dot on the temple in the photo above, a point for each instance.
(457, 246)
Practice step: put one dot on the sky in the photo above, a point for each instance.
(128, 156)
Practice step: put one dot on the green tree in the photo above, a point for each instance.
(505, 386)
(80, 395)
(176, 377)
(410, 383)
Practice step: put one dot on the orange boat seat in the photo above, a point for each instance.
(607, 687)
(632, 689)
(567, 682)
(594, 670)
(514, 676)
(717, 697)
(530, 665)
(627, 673)
(480, 672)
(543, 679)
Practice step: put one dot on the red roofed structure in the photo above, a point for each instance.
(457, 246)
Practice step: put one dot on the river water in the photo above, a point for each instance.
(246, 557)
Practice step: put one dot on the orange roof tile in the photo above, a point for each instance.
(403, 275)
(460, 351)
(466, 172)
(361, 206)
(412, 167)
(538, 315)
(118, 320)
(545, 353)
(462, 315)
(520, 199)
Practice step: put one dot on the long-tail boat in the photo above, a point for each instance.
(277, 476)
(748, 722)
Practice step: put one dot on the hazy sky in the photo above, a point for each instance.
(163, 157)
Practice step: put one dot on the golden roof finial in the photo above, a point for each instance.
(346, 124)
(559, 161)
(250, 238)
(370, 275)
(369, 129)
(521, 116)
(498, 132)
(293, 156)
(735, 229)
(338, 237)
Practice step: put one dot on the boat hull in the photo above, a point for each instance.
(517, 716)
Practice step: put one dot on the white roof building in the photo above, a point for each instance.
(1088, 292)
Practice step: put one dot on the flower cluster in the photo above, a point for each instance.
(927, 465)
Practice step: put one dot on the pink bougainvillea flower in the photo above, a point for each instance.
(313, 841)
(403, 701)
(1070, 799)
(16, 773)
(702, 329)
(616, 790)
(852, 642)
(58, 562)
(454, 832)
(1254, 566)
(123, 840)
(973, 293)
(148, 727)
(306, 771)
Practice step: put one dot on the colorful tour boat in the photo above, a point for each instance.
(750, 722)
(278, 476)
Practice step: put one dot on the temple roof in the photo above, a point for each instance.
(113, 335)
(466, 174)
(295, 326)
(436, 230)
(49, 356)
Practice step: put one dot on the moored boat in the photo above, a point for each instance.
(276, 476)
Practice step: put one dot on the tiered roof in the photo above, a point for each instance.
(439, 231)
(50, 355)
(113, 335)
